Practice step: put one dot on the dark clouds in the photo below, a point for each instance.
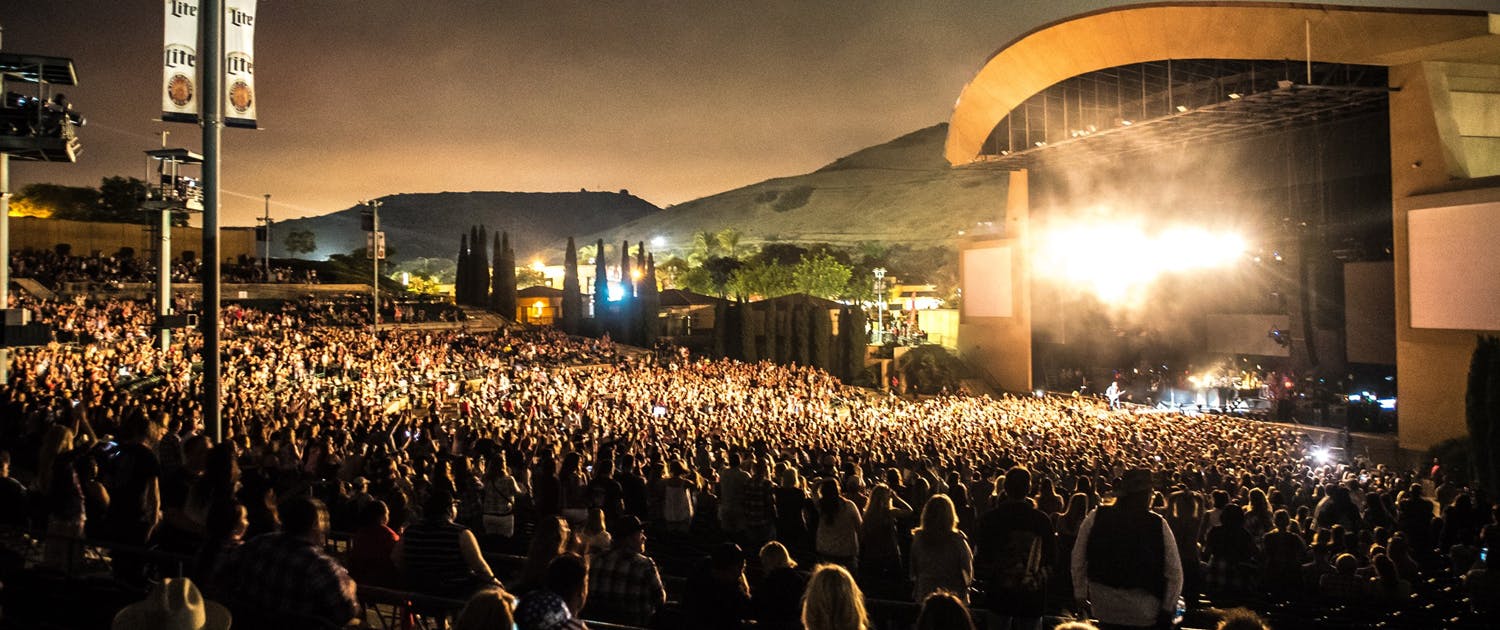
(672, 100)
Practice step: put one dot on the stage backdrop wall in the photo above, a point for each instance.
(1246, 334)
(1370, 312)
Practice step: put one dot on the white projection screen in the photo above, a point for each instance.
(987, 282)
(1453, 270)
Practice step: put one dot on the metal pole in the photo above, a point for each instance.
(211, 24)
(4, 255)
(164, 277)
(375, 269)
(267, 221)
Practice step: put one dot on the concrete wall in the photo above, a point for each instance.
(1001, 346)
(107, 238)
(1427, 170)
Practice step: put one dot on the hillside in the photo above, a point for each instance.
(430, 224)
(901, 191)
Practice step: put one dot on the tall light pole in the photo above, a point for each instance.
(880, 308)
(211, 25)
(266, 221)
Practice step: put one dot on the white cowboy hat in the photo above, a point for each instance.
(175, 604)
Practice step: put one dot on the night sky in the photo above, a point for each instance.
(671, 100)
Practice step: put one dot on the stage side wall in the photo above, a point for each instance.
(1001, 346)
(1431, 365)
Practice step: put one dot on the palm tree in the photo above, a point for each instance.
(729, 240)
(705, 246)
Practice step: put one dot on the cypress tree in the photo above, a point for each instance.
(507, 272)
(650, 304)
(601, 290)
(460, 281)
(625, 310)
(480, 269)
(572, 299)
(495, 288)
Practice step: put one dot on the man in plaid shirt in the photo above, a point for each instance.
(624, 585)
(288, 572)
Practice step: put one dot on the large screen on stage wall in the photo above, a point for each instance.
(986, 282)
(1454, 270)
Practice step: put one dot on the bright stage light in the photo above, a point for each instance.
(1321, 455)
(1114, 259)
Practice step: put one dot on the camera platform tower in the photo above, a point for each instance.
(169, 192)
(38, 125)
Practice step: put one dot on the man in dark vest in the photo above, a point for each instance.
(1126, 571)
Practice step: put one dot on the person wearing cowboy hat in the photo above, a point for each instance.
(175, 604)
(1126, 569)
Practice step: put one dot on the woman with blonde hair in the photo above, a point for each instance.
(940, 555)
(776, 600)
(833, 601)
(597, 539)
(488, 609)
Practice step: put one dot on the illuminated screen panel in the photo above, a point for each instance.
(1454, 267)
(986, 282)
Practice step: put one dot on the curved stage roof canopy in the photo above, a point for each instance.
(1142, 35)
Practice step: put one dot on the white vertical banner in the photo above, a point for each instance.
(239, 63)
(179, 97)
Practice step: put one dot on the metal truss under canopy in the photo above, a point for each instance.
(1143, 107)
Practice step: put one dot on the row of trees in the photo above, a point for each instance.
(116, 200)
(720, 264)
(482, 280)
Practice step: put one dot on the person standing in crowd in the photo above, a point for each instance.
(625, 584)
(719, 595)
(838, 526)
(499, 498)
(833, 601)
(880, 554)
(1125, 565)
(940, 554)
(135, 489)
(286, 575)
(1016, 545)
(777, 598)
(732, 485)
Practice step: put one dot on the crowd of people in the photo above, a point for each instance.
(625, 484)
(54, 268)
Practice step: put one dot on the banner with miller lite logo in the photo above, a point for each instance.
(239, 63)
(179, 99)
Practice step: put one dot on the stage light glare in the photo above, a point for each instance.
(1321, 455)
(1113, 260)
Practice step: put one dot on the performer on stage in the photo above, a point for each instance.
(1113, 394)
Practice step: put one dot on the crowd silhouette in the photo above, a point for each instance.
(688, 492)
